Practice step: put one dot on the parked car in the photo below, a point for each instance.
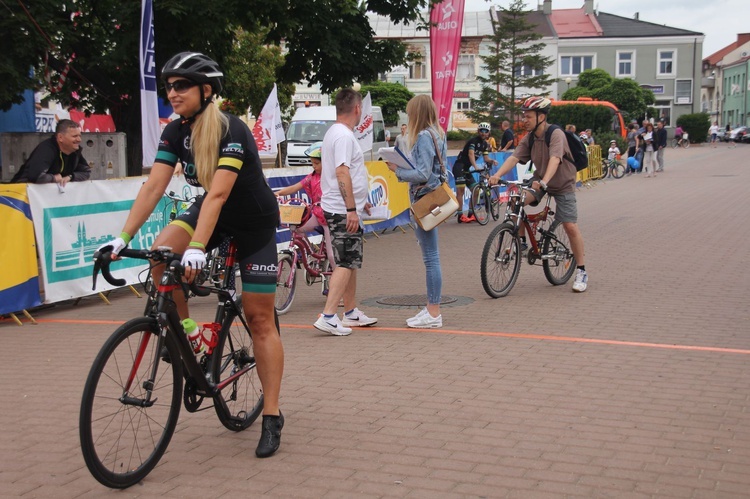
(737, 133)
(744, 138)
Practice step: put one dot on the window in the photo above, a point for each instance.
(626, 64)
(417, 71)
(683, 91)
(463, 105)
(666, 63)
(526, 70)
(663, 112)
(573, 65)
(465, 69)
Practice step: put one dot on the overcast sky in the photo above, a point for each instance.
(718, 20)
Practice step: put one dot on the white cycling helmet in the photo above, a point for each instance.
(484, 126)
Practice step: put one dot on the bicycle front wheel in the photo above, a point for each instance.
(286, 283)
(480, 204)
(558, 261)
(618, 170)
(686, 144)
(123, 431)
(232, 366)
(501, 261)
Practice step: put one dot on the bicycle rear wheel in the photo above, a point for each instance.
(239, 403)
(501, 261)
(122, 438)
(618, 170)
(674, 143)
(558, 261)
(286, 283)
(480, 204)
(605, 169)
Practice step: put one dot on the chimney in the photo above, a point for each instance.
(547, 7)
(588, 7)
(636, 16)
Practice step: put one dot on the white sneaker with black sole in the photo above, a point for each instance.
(358, 319)
(332, 326)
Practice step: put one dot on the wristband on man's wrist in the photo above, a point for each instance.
(350, 210)
(125, 237)
(196, 244)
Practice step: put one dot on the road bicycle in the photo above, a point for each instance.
(300, 254)
(612, 167)
(133, 393)
(549, 244)
(485, 199)
(684, 142)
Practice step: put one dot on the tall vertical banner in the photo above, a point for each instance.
(446, 21)
(268, 130)
(150, 127)
(364, 129)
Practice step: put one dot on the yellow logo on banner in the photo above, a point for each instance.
(17, 252)
(386, 190)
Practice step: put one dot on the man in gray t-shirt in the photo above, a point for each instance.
(401, 139)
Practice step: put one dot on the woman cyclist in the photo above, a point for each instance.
(311, 185)
(218, 153)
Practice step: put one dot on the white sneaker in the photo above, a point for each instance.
(416, 317)
(332, 325)
(357, 319)
(426, 321)
(581, 282)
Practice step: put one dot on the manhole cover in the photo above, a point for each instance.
(412, 300)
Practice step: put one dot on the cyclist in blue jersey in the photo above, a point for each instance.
(474, 148)
(218, 153)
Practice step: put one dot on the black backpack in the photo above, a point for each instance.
(580, 156)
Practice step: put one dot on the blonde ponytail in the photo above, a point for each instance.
(209, 128)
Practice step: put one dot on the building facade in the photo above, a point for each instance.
(725, 88)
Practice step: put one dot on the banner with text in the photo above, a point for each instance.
(150, 126)
(446, 21)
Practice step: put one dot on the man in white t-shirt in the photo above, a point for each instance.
(714, 131)
(345, 185)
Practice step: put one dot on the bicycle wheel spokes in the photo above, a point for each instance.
(286, 283)
(618, 170)
(480, 204)
(501, 261)
(240, 399)
(495, 203)
(124, 433)
(557, 257)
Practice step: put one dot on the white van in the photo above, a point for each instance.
(310, 125)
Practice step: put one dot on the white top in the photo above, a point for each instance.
(613, 152)
(714, 129)
(340, 147)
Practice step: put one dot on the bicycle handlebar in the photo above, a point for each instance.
(103, 259)
(171, 195)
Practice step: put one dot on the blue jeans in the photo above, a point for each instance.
(428, 243)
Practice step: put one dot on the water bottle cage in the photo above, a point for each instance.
(210, 342)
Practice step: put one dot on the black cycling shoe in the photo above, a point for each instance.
(270, 435)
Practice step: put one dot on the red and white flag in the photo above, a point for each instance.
(363, 130)
(446, 21)
(268, 130)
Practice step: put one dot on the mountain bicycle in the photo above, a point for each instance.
(549, 244)
(612, 167)
(300, 254)
(485, 198)
(133, 393)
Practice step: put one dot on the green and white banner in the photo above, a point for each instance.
(71, 225)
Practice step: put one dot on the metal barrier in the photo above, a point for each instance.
(594, 171)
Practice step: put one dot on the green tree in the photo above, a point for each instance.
(624, 93)
(251, 70)
(329, 42)
(391, 97)
(515, 62)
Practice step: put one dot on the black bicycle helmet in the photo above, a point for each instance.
(195, 67)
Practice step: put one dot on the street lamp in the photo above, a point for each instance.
(568, 80)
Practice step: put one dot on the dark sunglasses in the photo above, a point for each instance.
(180, 86)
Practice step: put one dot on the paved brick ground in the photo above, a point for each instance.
(637, 388)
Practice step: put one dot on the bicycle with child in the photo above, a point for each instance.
(485, 198)
(133, 393)
(503, 252)
(301, 253)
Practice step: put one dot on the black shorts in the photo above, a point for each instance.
(462, 175)
(256, 247)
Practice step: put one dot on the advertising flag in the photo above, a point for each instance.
(363, 130)
(268, 130)
(446, 21)
(150, 127)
